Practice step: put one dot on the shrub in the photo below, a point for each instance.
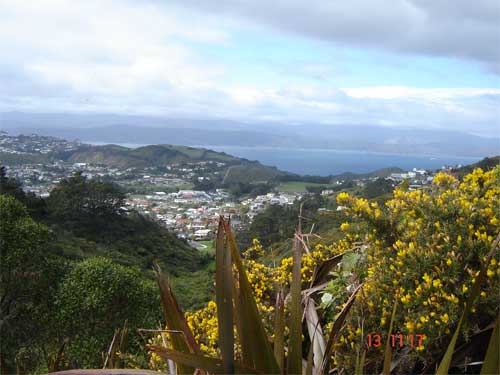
(418, 257)
(97, 297)
(424, 251)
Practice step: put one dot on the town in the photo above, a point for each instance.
(165, 193)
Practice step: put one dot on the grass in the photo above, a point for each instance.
(250, 173)
(209, 249)
(203, 153)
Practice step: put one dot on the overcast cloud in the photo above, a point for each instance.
(315, 61)
(450, 28)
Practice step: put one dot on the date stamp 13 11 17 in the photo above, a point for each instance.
(396, 340)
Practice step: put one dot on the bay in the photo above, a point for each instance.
(324, 162)
(330, 162)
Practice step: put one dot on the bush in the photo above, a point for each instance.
(425, 249)
(97, 297)
(421, 250)
(22, 278)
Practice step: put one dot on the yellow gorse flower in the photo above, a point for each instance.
(421, 247)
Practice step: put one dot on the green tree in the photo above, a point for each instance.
(277, 223)
(377, 188)
(84, 205)
(78, 197)
(97, 297)
(10, 186)
(25, 280)
(274, 224)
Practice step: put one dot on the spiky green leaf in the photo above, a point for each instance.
(259, 349)
(223, 298)
(444, 366)
(388, 347)
(295, 340)
(337, 325)
(491, 364)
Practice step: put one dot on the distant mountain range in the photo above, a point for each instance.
(155, 130)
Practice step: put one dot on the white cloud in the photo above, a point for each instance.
(103, 46)
(143, 57)
(461, 29)
(397, 92)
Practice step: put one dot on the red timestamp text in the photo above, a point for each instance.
(396, 340)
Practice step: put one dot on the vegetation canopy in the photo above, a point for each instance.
(410, 286)
(412, 267)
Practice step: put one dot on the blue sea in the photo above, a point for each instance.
(324, 162)
(329, 162)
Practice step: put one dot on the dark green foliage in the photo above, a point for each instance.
(306, 178)
(88, 219)
(486, 164)
(278, 223)
(316, 189)
(78, 201)
(346, 176)
(132, 240)
(204, 185)
(377, 188)
(96, 297)
(240, 189)
(28, 280)
(250, 173)
(194, 289)
(20, 159)
(9, 186)
(274, 224)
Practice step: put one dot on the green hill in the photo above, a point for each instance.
(381, 173)
(486, 164)
(7, 158)
(147, 156)
(251, 173)
(238, 171)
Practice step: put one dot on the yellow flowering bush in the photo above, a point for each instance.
(421, 250)
(255, 251)
(425, 249)
(283, 273)
(265, 282)
(203, 324)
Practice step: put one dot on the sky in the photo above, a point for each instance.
(429, 64)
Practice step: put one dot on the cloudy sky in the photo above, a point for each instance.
(406, 63)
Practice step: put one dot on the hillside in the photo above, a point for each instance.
(23, 158)
(346, 176)
(147, 156)
(251, 173)
(382, 173)
(486, 164)
(39, 149)
(86, 220)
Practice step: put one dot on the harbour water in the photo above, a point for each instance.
(324, 162)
